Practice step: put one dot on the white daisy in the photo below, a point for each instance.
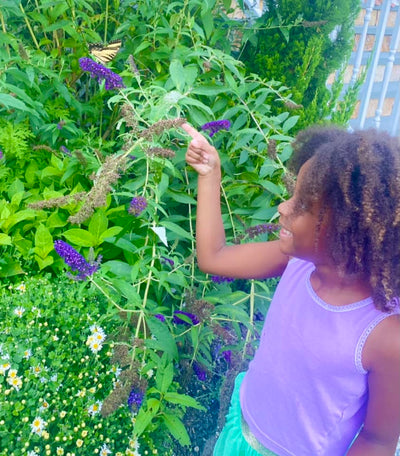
(97, 329)
(4, 368)
(95, 346)
(105, 450)
(32, 453)
(21, 287)
(12, 373)
(95, 408)
(27, 353)
(15, 382)
(19, 311)
(38, 425)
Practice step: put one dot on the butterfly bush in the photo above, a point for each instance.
(96, 70)
(180, 321)
(137, 205)
(76, 261)
(215, 126)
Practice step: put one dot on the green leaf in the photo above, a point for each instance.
(11, 102)
(183, 399)
(176, 428)
(208, 22)
(43, 263)
(164, 377)
(110, 232)
(5, 239)
(290, 123)
(43, 242)
(177, 73)
(163, 339)
(176, 229)
(80, 237)
(119, 268)
(143, 419)
(97, 225)
(10, 268)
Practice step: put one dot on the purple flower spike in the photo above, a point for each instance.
(135, 399)
(166, 260)
(96, 70)
(137, 205)
(200, 371)
(160, 317)
(180, 321)
(76, 261)
(1, 154)
(220, 279)
(215, 126)
(227, 355)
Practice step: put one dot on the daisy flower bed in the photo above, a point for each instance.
(56, 370)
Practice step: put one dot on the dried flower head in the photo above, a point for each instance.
(272, 149)
(215, 126)
(290, 182)
(256, 230)
(129, 116)
(160, 152)
(96, 70)
(57, 202)
(97, 196)
(201, 308)
(161, 126)
(292, 105)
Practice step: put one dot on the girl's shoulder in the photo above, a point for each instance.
(383, 344)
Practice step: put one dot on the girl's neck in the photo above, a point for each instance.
(336, 289)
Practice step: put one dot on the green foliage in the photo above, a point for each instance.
(87, 152)
(300, 43)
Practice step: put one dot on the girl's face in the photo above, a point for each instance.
(302, 232)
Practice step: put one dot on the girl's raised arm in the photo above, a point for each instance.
(252, 260)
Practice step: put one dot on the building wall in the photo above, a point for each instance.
(376, 53)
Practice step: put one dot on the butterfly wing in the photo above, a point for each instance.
(105, 53)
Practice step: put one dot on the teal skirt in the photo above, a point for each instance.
(236, 438)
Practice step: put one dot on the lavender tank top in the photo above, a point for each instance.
(305, 393)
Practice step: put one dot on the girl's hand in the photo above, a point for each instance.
(200, 155)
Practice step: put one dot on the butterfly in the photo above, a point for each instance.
(105, 52)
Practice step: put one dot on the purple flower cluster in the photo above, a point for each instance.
(180, 321)
(160, 317)
(96, 70)
(65, 151)
(220, 279)
(215, 126)
(168, 261)
(227, 355)
(1, 154)
(135, 399)
(200, 371)
(137, 205)
(76, 261)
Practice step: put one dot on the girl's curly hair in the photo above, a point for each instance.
(356, 178)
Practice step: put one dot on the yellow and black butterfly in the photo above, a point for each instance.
(105, 52)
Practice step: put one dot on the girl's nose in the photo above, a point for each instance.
(283, 208)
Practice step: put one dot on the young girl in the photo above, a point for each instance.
(326, 377)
